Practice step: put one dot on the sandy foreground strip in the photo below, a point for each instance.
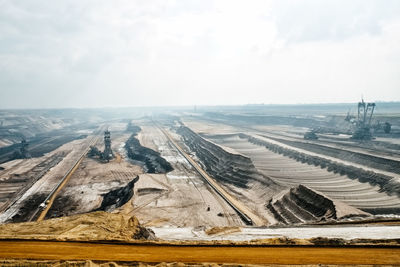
(197, 254)
(253, 233)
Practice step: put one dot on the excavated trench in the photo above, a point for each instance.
(118, 197)
(151, 160)
(386, 183)
(226, 167)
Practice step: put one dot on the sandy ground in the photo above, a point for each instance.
(251, 233)
(235, 255)
(95, 226)
(53, 176)
(180, 205)
(19, 166)
(180, 198)
(200, 126)
(93, 178)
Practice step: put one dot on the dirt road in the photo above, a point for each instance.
(197, 254)
(53, 194)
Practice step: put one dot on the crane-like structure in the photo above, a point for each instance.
(364, 117)
(108, 153)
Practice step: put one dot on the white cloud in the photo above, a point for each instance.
(113, 53)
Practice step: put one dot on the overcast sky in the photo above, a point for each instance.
(97, 53)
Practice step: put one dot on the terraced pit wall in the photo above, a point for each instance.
(301, 204)
(226, 167)
(360, 158)
(386, 183)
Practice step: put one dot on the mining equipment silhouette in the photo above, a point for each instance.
(363, 124)
(107, 154)
(364, 127)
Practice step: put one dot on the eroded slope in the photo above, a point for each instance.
(90, 226)
(301, 204)
(224, 165)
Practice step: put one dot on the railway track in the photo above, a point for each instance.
(50, 163)
(229, 218)
(50, 250)
(49, 200)
(249, 217)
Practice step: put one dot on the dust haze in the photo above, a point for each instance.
(169, 53)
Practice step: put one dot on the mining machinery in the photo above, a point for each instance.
(107, 154)
(363, 124)
(94, 152)
(387, 127)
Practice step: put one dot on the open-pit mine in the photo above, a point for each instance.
(306, 184)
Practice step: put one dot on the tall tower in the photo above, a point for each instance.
(108, 154)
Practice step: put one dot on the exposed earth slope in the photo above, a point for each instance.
(83, 227)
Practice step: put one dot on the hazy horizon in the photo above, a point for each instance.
(101, 54)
